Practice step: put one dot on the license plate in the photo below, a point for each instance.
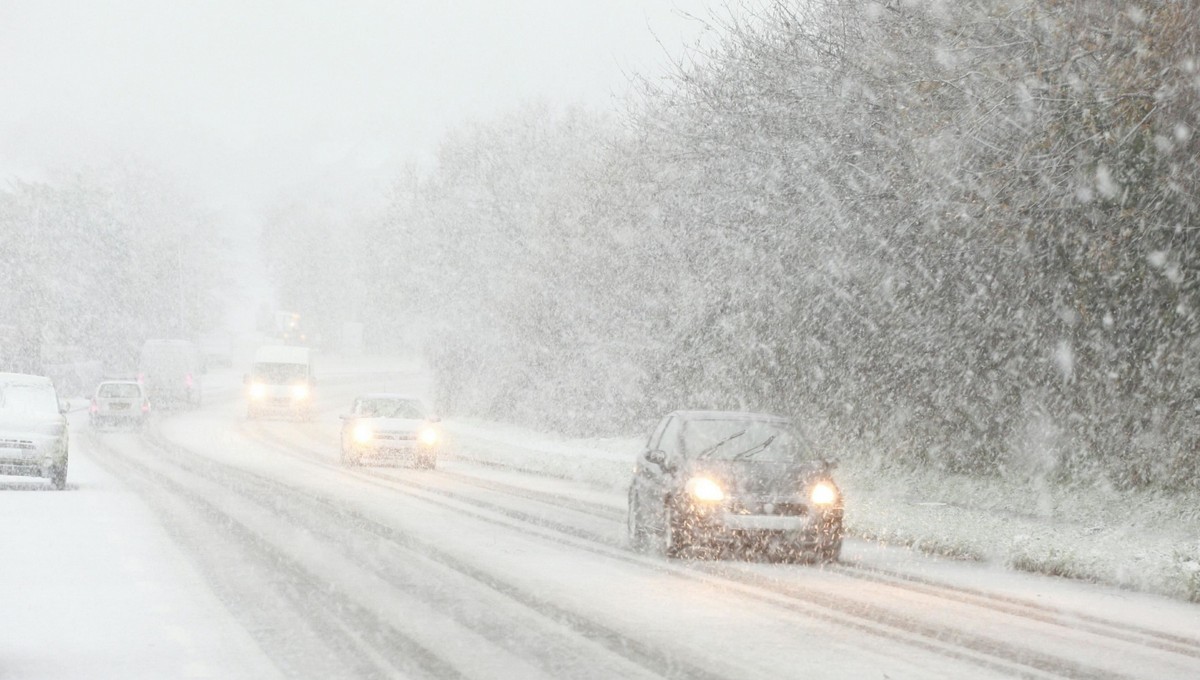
(119, 406)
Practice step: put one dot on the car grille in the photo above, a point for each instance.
(395, 436)
(25, 444)
(775, 509)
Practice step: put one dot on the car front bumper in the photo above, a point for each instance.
(788, 521)
(394, 449)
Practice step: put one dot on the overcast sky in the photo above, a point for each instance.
(245, 101)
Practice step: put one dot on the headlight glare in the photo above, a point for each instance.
(363, 433)
(258, 390)
(705, 489)
(300, 391)
(428, 436)
(823, 493)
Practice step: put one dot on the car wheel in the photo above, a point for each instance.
(673, 540)
(429, 462)
(634, 526)
(58, 476)
(831, 552)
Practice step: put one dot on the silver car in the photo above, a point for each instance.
(386, 426)
(33, 429)
(119, 402)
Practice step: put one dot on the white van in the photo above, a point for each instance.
(280, 382)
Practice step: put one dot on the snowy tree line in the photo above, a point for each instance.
(960, 234)
(99, 263)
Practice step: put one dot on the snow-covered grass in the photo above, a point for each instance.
(1143, 541)
(1140, 540)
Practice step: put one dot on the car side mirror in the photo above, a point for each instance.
(346, 416)
(63, 407)
(658, 457)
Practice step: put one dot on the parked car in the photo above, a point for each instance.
(169, 371)
(384, 426)
(280, 382)
(719, 479)
(33, 429)
(118, 402)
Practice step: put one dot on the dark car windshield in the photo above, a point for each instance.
(279, 374)
(741, 440)
(391, 408)
(28, 398)
(120, 390)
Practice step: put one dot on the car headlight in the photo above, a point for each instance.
(299, 392)
(823, 493)
(363, 433)
(705, 489)
(258, 390)
(428, 436)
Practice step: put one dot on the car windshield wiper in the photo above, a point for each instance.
(719, 444)
(754, 450)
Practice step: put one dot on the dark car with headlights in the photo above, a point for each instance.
(734, 480)
(384, 427)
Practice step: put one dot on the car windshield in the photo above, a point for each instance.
(119, 391)
(279, 374)
(28, 398)
(391, 408)
(723, 439)
(167, 360)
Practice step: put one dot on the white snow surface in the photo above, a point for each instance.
(102, 584)
(95, 587)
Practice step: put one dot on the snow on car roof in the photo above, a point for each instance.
(729, 415)
(23, 379)
(390, 395)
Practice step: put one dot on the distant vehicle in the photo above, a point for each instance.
(289, 328)
(118, 402)
(216, 349)
(280, 382)
(169, 371)
(385, 426)
(720, 479)
(33, 429)
(73, 372)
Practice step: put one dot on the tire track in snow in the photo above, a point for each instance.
(333, 617)
(656, 661)
(982, 651)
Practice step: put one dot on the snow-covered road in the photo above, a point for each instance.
(209, 546)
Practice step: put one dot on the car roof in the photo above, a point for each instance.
(23, 379)
(390, 395)
(119, 382)
(729, 415)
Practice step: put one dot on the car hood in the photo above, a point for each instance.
(394, 424)
(753, 477)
